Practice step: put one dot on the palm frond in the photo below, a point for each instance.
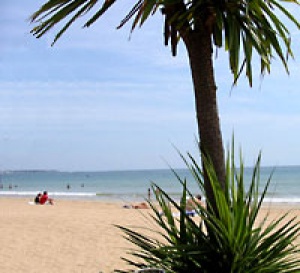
(55, 11)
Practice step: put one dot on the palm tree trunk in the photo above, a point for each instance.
(199, 49)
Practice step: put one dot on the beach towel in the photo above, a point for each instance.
(191, 213)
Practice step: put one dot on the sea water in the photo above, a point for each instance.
(129, 186)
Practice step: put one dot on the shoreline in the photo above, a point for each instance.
(115, 198)
(76, 235)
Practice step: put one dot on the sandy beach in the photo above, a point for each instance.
(72, 236)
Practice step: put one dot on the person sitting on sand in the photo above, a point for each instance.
(44, 199)
(193, 203)
(37, 198)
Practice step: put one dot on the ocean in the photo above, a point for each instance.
(132, 186)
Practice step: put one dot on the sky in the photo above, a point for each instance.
(105, 99)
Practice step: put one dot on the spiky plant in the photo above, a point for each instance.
(227, 240)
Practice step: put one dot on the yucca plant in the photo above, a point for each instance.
(227, 240)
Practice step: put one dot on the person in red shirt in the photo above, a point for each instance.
(45, 199)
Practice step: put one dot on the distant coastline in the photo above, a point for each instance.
(132, 185)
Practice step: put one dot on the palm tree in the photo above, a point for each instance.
(240, 26)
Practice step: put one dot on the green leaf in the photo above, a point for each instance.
(226, 240)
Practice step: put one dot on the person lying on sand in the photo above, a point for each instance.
(142, 205)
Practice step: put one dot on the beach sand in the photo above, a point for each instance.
(71, 236)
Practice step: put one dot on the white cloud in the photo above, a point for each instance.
(79, 102)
